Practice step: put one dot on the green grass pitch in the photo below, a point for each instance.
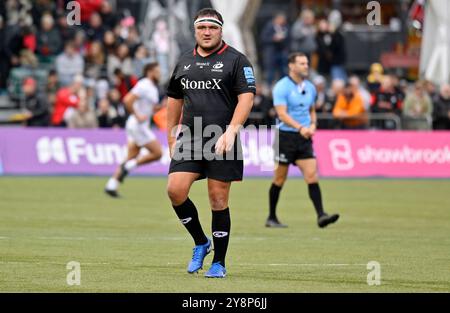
(136, 244)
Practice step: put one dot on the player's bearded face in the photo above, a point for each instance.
(208, 35)
(301, 66)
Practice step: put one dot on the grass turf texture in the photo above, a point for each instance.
(136, 244)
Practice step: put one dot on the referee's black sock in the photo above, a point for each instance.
(221, 225)
(187, 213)
(316, 197)
(274, 194)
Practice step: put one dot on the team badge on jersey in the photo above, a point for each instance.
(249, 76)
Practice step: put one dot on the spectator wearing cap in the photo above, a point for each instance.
(67, 99)
(36, 105)
(69, 64)
(349, 109)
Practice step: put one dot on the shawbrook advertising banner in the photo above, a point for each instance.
(26, 151)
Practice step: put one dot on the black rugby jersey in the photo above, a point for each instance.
(210, 85)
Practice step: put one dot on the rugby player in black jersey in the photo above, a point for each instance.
(211, 90)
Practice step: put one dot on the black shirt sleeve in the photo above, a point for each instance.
(174, 90)
(243, 76)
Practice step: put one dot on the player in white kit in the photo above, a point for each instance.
(140, 102)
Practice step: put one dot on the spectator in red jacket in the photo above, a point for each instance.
(87, 7)
(66, 100)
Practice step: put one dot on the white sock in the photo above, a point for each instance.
(112, 184)
(131, 164)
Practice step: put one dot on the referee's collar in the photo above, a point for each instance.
(222, 48)
(301, 86)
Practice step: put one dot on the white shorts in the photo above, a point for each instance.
(139, 133)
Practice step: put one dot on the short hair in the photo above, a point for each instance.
(208, 12)
(149, 67)
(293, 56)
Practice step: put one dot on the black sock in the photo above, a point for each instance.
(221, 225)
(274, 194)
(316, 197)
(187, 213)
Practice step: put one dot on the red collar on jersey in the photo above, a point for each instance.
(220, 51)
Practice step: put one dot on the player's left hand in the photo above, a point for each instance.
(226, 141)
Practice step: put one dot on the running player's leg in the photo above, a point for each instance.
(178, 186)
(279, 177)
(218, 192)
(154, 147)
(113, 183)
(309, 170)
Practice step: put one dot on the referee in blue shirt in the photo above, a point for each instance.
(294, 99)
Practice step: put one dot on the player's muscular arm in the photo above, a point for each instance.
(128, 100)
(174, 107)
(243, 108)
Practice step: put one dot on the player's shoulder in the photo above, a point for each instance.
(283, 83)
(233, 53)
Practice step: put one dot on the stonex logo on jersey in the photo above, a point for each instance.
(200, 84)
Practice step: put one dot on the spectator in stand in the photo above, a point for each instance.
(323, 103)
(338, 49)
(115, 101)
(109, 43)
(303, 34)
(107, 115)
(36, 105)
(123, 83)
(4, 55)
(275, 47)
(121, 60)
(161, 44)
(67, 99)
(69, 64)
(355, 82)
(431, 89)
(87, 8)
(42, 7)
(66, 31)
(141, 58)
(260, 113)
(442, 108)
(95, 30)
(349, 109)
(80, 43)
(386, 100)
(48, 39)
(323, 42)
(83, 116)
(110, 19)
(52, 87)
(417, 109)
(133, 40)
(95, 61)
(375, 77)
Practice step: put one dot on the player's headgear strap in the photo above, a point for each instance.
(208, 19)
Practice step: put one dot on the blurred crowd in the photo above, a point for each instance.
(77, 76)
(379, 100)
(74, 75)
